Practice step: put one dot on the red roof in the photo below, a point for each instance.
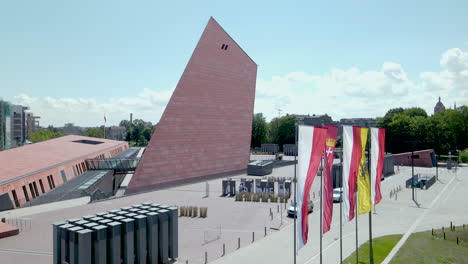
(31, 158)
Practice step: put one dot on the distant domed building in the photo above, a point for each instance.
(439, 106)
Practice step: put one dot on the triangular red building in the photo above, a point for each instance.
(206, 127)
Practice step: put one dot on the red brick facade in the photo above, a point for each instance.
(32, 170)
(422, 158)
(206, 127)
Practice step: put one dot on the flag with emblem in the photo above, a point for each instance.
(363, 179)
(332, 134)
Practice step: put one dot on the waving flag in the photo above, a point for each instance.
(352, 153)
(377, 162)
(363, 180)
(311, 144)
(332, 133)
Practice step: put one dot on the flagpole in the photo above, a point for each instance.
(341, 209)
(356, 198)
(295, 190)
(321, 205)
(371, 249)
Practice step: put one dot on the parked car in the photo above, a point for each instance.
(292, 209)
(337, 193)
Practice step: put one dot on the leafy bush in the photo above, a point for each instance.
(464, 157)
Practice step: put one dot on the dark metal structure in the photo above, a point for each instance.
(143, 233)
(118, 165)
(260, 167)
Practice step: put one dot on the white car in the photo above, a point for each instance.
(337, 193)
(292, 209)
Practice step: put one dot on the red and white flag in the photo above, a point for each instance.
(332, 134)
(311, 144)
(377, 162)
(352, 153)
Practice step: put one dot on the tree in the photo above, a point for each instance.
(259, 130)
(420, 128)
(398, 132)
(404, 125)
(52, 128)
(43, 135)
(139, 132)
(415, 111)
(444, 131)
(282, 130)
(449, 131)
(383, 122)
(125, 123)
(138, 127)
(148, 132)
(97, 132)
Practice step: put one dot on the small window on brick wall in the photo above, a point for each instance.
(35, 188)
(15, 197)
(42, 186)
(25, 192)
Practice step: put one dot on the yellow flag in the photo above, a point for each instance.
(363, 180)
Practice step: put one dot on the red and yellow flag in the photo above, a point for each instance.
(363, 179)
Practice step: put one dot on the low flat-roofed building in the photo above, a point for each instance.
(29, 171)
(421, 158)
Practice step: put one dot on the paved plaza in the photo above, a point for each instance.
(228, 221)
(445, 201)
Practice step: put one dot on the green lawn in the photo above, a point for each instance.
(460, 232)
(382, 246)
(423, 247)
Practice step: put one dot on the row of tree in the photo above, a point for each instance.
(138, 133)
(444, 131)
(279, 131)
(43, 135)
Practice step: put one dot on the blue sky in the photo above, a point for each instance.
(71, 61)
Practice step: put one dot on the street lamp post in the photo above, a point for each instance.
(412, 167)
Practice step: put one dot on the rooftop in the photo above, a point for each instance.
(24, 160)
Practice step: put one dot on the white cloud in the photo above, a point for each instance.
(356, 93)
(452, 80)
(455, 60)
(148, 105)
(340, 93)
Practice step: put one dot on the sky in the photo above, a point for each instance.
(76, 61)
